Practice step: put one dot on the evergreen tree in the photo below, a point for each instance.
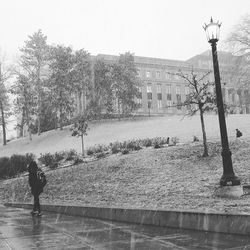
(61, 82)
(25, 102)
(33, 60)
(126, 83)
(104, 97)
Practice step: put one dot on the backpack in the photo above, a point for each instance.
(41, 178)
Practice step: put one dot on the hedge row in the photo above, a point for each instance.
(131, 145)
(11, 166)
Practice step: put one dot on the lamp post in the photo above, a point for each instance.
(213, 32)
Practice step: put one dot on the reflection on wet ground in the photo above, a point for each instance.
(19, 230)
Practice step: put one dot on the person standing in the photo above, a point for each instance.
(37, 181)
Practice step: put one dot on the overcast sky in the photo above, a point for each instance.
(170, 29)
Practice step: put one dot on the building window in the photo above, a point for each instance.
(159, 95)
(168, 76)
(139, 98)
(178, 90)
(176, 77)
(178, 97)
(168, 90)
(149, 91)
(158, 74)
(159, 103)
(159, 88)
(169, 104)
(149, 88)
(148, 74)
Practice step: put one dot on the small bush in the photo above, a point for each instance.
(195, 138)
(78, 160)
(175, 140)
(115, 147)
(157, 145)
(29, 158)
(100, 148)
(53, 165)
(70, 155)
(125, 151)
(100, 155)
(58, 156)
(4, 166)
(18, 164)
(146, 142)
(90, 151)
(47, 159)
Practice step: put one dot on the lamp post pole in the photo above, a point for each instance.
(228, 176)
(228, 172)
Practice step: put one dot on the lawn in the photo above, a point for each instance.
(176, 177)
(109, 131)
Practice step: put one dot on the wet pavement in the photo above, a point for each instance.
(19, 230)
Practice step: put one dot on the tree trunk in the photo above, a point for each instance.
(60, 120)
(55, 121)
(30, 134)
(39, 99)
(119, 110)
(22, 123)
(82, 146)
(205, 153)
(29, 124)
(3, 124)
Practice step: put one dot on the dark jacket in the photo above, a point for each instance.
(35, 185)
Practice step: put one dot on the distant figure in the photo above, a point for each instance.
(238, 133)
(37, 181)
(168, 140)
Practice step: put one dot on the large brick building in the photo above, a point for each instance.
(161, 90)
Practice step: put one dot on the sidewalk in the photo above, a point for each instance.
(20, 231)
(192, 220)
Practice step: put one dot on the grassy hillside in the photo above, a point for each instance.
(172, 178)
(110, 131)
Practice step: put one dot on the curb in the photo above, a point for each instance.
(213, 222)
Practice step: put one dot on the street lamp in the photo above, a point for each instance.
(213, 32)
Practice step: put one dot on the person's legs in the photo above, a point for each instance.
(36, 202)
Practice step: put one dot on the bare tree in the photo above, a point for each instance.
(200, 97)
(238, 42)
(4, 100)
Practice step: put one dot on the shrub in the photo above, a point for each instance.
(18, 164)
(70, 155)
(47, 159)
(157, 145)
(175, 140)
(58, 156)
(125, 151)
(100, 148)
(146, 142)
(100, 155)
(195, 138)
(115, 147)
(131, 145)
(4, 166)
(90, 151)
(78, 160)
(53, 165)
(30, 157)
